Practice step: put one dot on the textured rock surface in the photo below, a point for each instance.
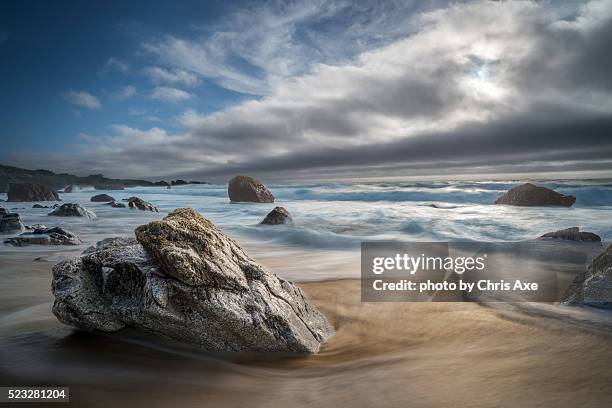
(72, 210)
(245, 188)
(573, 234)
(10, 223)
(186, 280)
(30, 192)
(101, 198)
(529, 195)
(279, 215)
(594, 287)
(139, 203)
(45, 236)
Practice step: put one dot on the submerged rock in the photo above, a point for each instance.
(139, 203)
(101, 198)
(185, 280)
(30, 192)
(529, 195)
(573, 234)
(72, 210)
(245, 188)
(40, 206)
(10, 222)
(45, 236)
(279, 215)
(593, 287)
(115, 204)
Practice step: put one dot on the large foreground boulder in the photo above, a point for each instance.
(72, 210)
(279, 215)
(529, 195)
(573, 234)
(101, 198)
(183, 279)
(245, 188)
(30, 192)
(45, 236)
(593, 287)
(140, 204)
(10, 222)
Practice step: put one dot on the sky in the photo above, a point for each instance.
(307, 90)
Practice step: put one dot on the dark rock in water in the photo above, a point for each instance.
(573, 234)
(45, 236)
(115, 204)
(279, 215)
(139, 203)
(72, 210)
(69, 189)
(30, 192)
(161, 183)
(169, 187)
(245, 188)
(40, 206)
(529, 195)
(10, 222)
(179, 182)
(593, 287)
(101, 198)
(3, 211)
(185, 280)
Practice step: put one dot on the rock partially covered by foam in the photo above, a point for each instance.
(530, 195)
(245, 188)
(279, 215)
(72, 210)
(573, 234)
(45, 236)
(185, 280)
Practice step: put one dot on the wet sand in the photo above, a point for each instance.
(383, 354)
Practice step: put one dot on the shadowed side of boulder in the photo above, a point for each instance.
(10, 222)
(248, 189)
(186, 280)
(530, 195)
(101, 198)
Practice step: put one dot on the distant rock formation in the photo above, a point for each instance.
(245, 188)
(45, 236)
(179, 182)
(186, 280)
(102, 198)
(72, 210)
(573, 234)
(19, 192)
(10, 222)
(161, 183)
(529, 195)
(279, 215)
(593, 287)
(69, 189)
(108, 187)
(139, 203)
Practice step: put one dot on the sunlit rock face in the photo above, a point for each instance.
(185, 280)
(594, 286)
(529, 195)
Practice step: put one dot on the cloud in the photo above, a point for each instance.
(125, 92)
(168, 94)
(161, 75)
(82, 98)
(115, 64)
(476, 88)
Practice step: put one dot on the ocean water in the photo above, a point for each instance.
(332, 219)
